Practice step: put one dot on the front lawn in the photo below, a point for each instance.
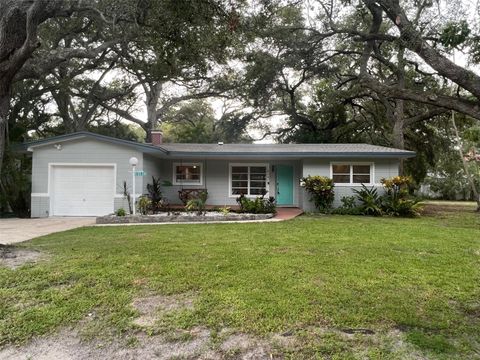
(341, 286)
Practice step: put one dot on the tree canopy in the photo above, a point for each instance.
(378, 71)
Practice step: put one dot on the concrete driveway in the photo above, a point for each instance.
(17, 230)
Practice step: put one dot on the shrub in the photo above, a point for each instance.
(197, 205)
(397, 186)
(224, 210)
(121, 212)
(349, 207)
(321, 191)
(259, 205)
(396, 201)
(144, 204)
(370, 201)
(197, 202)
(154, 193)
(163, 205)
(401, 207)
(348, 202)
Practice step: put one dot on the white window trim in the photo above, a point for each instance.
(174, 171)
(372, 172)
(267, 180)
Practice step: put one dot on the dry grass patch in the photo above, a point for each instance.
(14, 257)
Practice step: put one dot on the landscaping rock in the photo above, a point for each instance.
(180, 217)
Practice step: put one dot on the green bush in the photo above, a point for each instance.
(259, 205)
(15, 184)
(400, 207)
(144, 204)
(225, 210)
(154, 194)
(349, 207)
(121, 212)
(197, 204)
(321, 191)
(370, 201)
(348, 202)
(397, 201)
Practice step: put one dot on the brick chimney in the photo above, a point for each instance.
(157, 137)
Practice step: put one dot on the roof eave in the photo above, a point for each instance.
(29, 146)
(394, 155)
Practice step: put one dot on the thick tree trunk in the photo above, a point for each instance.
(152, 99)
(4, 106)
(399, 140)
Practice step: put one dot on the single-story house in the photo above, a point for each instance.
(82, 174)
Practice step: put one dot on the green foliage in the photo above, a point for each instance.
(197, 205)
(259, 205)
(321, 191)
(349, 207)
(225, 210)
(348, 202)
(455, 34)
(144, 204)
(395, 202)
(117, 129)
(121, 212)
(163, 205)
(447, 179)
(155, 193)
(15, 185)
(195, 122)
(401, 207)
(370, 201)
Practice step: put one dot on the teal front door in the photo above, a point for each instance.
(284, 185)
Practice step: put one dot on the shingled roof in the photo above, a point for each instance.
(290, 149)
(237, 150)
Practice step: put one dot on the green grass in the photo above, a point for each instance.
(312, 275)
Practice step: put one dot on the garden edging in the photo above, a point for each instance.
(137, 219)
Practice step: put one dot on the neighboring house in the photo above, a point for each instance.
(81, 174)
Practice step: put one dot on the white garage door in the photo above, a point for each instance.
(82, 190)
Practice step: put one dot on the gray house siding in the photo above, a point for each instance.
(383, 168)
(215, 172)
(216, 177)
(152, 166)
(81, 151)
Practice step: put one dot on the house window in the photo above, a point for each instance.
(352, 173)
(249, 180)
(187, 174)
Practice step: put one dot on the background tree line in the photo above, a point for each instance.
(380, 72)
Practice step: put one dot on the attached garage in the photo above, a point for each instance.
(82, 190)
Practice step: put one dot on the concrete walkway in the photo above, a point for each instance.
(17, 230)
(288, 213)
